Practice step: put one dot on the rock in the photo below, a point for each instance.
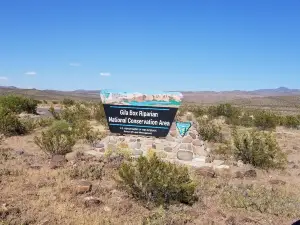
(100, 149)
(277, 182)
(198, 143)
(168, 149)
(36, 166)
(71, 156)
(250, 173)
(231, 221)
(185, 155)
(20, 152)
(208, 150)
(153, 145)
(217, 162)
(92, 201)
(223, 171)
(186, 146)
(160, 146)
(239, 175)
(187, 139)
(137, 152)
(99, 145)
(173, 133)
(206, 172)
(200, 159)
(106, 209)
(83, 187)
(93, 153)
(113, 141)
(169, 138)
(138, 145)
(295, 167)
(132, 140)
(193, 135)
(200, 151)
(121, 139)
(240, 163)
(57, 161)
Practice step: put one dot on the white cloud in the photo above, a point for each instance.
(105, 74)
(75, 64)
(31, 73)
(3, 78)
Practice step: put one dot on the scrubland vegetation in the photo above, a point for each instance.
(144, 190)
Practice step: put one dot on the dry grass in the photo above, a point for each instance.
(35, 194)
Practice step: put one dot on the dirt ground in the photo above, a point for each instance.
(31, 192)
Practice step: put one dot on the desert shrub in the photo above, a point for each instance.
(10, 123)
(90, 172)
(29, 124)
(75, 113)
(92, 137)
(58, 139)
(99, 114)
(199, 111)
(157, 181)
(266, 120)
(55, 114)
(258, 148)
(55, 102)
(45, 122)
(18, 104)
(209, 131)
(68, 102)
(225, 110)
(276, 201)
(291, 121)
(45, 101)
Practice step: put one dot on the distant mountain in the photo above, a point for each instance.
(281, 91)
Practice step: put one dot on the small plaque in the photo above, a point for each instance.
(183, 127)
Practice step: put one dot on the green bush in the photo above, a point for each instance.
(58, 139)
(157, 181)
(209, 131)
(10, 123)
(18, 104)
(68, 102)
(291, 121)
(90, 172)
(276, 201)
(258, 148)
(266, 120)
(100, 114)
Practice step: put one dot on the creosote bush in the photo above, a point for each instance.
(91, 171)
(291, 121)
(258, 148)
(209, 131)
(58, 139)
(18, 104)
(68, 102)
(156, 181)
(10, 123)
(276, 201)
(266, 120)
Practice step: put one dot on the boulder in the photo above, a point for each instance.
(92, 201)
(217, 162)
(193, 135)
(198, 142)
(57, 161)
(206, 172)
(83, 187)
(199, 150)
(277, 182)
(169, 138)
(137, 152)
(71, 156)
(187, 139)
(173, 133)
(239, 175)
(99, 145)
(168, 149)
(223, 171)
(185, 155)
(250, 173)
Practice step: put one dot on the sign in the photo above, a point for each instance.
(183, 127)
(150, 113)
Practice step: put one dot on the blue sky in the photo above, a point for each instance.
(160, 45)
